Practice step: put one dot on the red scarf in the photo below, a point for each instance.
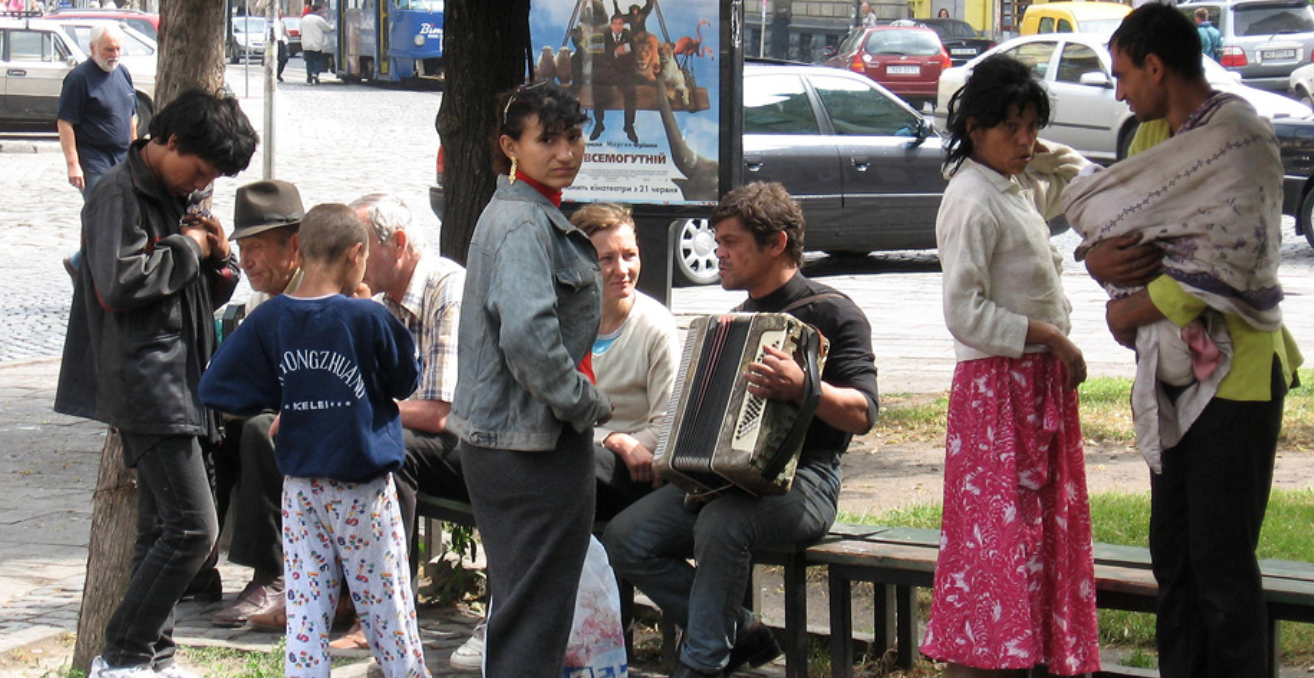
(554, 196)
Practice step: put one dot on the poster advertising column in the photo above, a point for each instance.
(648, 75)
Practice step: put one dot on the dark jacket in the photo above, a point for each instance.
(141, 327)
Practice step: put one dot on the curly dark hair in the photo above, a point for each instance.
(765, 209)
(1161, 30)
(557, 109)
(997, 84)
(211, 126)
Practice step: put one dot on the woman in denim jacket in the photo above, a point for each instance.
(525, 403)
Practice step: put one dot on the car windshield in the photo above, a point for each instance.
(292, 23)
(1270, 19)
(953, 29)
(248, 24)
(132, 45)
(903, 42)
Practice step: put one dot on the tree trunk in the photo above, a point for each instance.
(109, 555)
(487, 52)
(191, 47)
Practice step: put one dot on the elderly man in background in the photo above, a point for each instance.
(97, 117)
(424, 292)
(267, 218)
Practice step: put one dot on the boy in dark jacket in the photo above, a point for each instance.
(333, 367)
(140, 331)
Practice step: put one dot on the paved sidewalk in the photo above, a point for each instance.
(48, 465)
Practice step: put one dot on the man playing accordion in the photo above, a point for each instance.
(759, 235)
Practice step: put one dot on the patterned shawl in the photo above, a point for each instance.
(1210, 197)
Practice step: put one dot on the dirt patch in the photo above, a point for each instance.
(881, 478)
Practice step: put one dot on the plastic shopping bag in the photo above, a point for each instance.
(597, 638)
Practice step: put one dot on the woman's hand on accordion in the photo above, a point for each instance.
(637, 458)
(777, 377)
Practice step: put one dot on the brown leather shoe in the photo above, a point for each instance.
(252, 599)
(353, 644)
(273, 617)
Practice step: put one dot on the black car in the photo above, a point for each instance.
(962, 41)
(864, 165)
(1296, 143)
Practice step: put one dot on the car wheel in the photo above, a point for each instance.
(145, 111)
(1125, 137)
(1307, 216)
(695, 254)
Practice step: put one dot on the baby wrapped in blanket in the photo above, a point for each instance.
(1205, 199)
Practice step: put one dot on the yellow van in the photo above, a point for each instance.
(1073, 17)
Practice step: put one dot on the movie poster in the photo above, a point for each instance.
(647, 74)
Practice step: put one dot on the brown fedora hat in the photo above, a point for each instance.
(264, 205)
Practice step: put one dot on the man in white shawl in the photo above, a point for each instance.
(1207, 204)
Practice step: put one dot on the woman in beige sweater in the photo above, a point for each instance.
(634, 358)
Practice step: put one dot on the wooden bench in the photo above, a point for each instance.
(897, 561)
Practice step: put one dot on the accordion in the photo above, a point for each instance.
(717, 434)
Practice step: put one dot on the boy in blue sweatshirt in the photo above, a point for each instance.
(333, 366)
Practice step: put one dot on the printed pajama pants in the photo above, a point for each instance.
(334, 529)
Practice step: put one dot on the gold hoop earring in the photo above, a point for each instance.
(511, 178)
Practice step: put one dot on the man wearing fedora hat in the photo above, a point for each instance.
(266, 221)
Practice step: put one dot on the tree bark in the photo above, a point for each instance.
(191, 47)
(487, 52)
(109, 555)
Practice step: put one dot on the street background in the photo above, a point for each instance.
(337, 142)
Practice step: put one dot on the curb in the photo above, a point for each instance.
(28, 147)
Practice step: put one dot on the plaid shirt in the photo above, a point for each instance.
(431, 310)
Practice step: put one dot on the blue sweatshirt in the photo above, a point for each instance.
(333, 367)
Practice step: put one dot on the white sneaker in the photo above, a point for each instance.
(470, 656)
(99, 669)
(175, 670)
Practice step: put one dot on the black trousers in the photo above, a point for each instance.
(433, 466)
(1207, 508)
(176, 528)
(535, 512)
(616, 490)
(258, 506)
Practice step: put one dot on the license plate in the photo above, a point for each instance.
(1277, 54)
(903, 70)
(963, 52)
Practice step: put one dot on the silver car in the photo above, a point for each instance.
(1263, 40)
(1085, 112)
(35, 56)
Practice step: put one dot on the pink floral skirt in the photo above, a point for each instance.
(1015, 580)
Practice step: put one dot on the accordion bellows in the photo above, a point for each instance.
(716, 434)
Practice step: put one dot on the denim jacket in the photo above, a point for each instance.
(529, 314)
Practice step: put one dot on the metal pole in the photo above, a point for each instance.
(246, 52)
(271, 55)
(761, 37)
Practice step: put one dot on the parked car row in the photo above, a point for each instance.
(863, 164)
(1086, 114)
